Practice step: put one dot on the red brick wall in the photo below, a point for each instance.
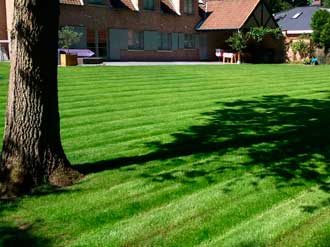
(289, 40)
(105, 17)
(3, 21)
(102, 17)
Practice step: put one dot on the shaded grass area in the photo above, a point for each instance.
(185, 156)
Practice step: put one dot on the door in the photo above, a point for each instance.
(118, 40)
(203, 47)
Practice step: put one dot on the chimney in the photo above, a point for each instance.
(316, 3)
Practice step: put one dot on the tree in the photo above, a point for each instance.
(238, 42)
(326, 3)
(321, 29)
(280, 5)
(32, 152)
(68, 37)
(325, 37)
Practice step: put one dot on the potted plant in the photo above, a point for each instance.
(68, 37)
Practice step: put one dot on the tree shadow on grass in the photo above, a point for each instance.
(21, 232)
(288, 138)
(20, 236)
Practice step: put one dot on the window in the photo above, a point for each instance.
(102, 44)
(149, 4)
(91, 45)
(189, 41)
(98, 2)
(165, 41)
(97, 42)
(188, 7)
(135, 40)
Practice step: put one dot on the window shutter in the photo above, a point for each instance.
(156, 40)
(151, 40)
(181, 40)
(196, 36)
(175, 41)
(123, 33)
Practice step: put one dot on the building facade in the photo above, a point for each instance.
(296, 26)
(158, 30)
(142, 30)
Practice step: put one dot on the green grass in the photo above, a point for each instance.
(185, 156)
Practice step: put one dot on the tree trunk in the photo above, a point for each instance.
(32, 152)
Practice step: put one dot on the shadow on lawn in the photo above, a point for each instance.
(20, 236)
(22, 233)
(289, 138)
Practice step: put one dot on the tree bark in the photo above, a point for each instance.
(32, 152)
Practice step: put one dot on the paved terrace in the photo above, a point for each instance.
(158, 63)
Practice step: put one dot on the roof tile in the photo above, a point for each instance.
(170, 5)
(129, 4)
(227, 14)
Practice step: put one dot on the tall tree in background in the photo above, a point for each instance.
(326, 3)
(280, 5)
(321, 29)
(32, 152)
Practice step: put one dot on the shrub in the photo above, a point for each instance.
(238, 41)
(301, 47)
(307, 61)
(68, 37)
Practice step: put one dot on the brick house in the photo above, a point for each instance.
(296, 25)
(159, 30)
(224, 17)
(4, 42)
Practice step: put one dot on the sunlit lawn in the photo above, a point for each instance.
(185, 156)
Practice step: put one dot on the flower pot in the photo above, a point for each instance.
(69, 60)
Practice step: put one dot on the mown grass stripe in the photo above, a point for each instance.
(239, 143)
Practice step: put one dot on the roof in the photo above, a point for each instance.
(302, 22)
(227, 14)
(170, 5)
(72, 2)
(129, 4)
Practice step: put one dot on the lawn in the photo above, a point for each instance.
(185, 156)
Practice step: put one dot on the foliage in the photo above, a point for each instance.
(326, 3)
(281, 5)
(319, 23)
(325, 37)
(238, 41)
(307, 61)
(258, 33)
(301, 47)
(68, 37)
